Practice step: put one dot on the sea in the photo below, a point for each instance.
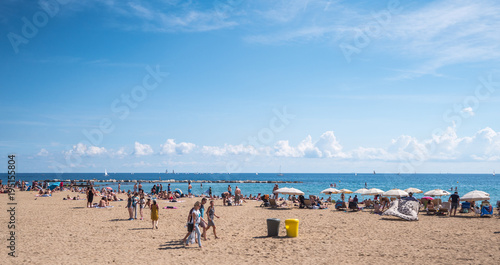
(310, 184)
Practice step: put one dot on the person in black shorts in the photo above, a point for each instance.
(454, 198)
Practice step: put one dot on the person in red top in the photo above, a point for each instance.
(61, 186)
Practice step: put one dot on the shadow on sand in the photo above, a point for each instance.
(173, 244)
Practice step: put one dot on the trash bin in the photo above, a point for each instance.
(273, 227)
(292, 227)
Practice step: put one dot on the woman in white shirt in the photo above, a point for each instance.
(195, 220)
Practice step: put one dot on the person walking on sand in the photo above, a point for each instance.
(202, 212)
(211, 214)
(196, 219)
(455, 199)
(154, 214)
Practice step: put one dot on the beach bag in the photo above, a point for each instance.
(190, 227)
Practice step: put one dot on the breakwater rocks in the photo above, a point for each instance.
(170, 181)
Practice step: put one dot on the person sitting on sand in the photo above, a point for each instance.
(485, 203)
(102, 202)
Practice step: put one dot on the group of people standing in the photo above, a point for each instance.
(196, 220)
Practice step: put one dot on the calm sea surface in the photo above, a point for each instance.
(311, 183)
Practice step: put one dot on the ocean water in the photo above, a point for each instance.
(312, 184)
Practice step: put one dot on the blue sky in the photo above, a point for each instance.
(246, 86)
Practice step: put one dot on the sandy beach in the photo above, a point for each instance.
(56, 231)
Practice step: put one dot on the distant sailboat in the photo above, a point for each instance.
(105, 173)
(166, 171)
(493, 172)
(374, 172)
(280, 174)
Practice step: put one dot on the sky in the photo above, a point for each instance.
(249, 86)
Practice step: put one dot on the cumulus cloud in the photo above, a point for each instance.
(43, 152)
(170, 147)
(326, 146)
(81, 149)
(469, 111)
(142, 149)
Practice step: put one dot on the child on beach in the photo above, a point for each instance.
(154, 214)
(211, 215)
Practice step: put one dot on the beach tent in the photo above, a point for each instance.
(475, 195)
(413, 190)
(53, 186)
(373, 191)
(330, 191)
(436, 192)
(289, 191)
(178, 191)
(395, 193)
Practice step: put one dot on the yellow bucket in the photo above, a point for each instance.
(292, 227)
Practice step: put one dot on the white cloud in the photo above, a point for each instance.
(142, 149)
(228, 149)
(469, 111)
(81, 149)
(43, 152)
(170, 147)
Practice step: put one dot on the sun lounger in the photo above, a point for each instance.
(444, 209)
(307, 204)
(465, 207)
(353, 206)
(272, 203)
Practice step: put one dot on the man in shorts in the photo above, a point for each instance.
(455, 199)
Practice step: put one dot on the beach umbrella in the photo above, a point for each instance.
(428, 198)
(395, 193)
(436, 192)
(475, 195)
(413, 190)
(361, 191)
(330, 191)
(179, 191)
(373, 191)
(345, 191)
(109, 188)
(289, 191)
(53, 186)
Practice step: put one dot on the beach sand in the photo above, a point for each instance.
(55, 231)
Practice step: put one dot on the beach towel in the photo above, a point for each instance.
(405, 209)
(97, 207)
(169, 207)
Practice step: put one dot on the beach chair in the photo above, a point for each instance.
(353, 206)
(307, 203)
(340, 206)
(272, 203)
(465, 207)
(444, 209)
(487, 211)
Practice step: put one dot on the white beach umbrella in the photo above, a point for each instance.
(361, 191)
(413, 190)
(395, 193)
(475, 195)
(330, 191)
(289, 191)
(436, 192)
(373, 191)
